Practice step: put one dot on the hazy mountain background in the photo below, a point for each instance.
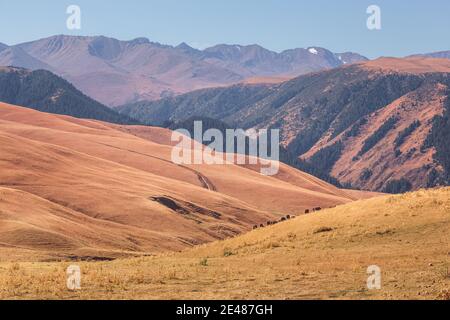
(116, 72)
(440, 54)
(3, 46)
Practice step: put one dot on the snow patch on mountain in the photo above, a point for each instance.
(313, 51)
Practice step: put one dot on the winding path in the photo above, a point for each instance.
(204, 180)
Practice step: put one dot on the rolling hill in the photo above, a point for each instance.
(84, 189)
(116, 72)
(377, 125)
(324, 255)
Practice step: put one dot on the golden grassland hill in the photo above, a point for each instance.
(82, 188)
(324, 255)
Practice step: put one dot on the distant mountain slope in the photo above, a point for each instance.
(115, 72)
(254, 60)
(3, 46)
(14, 56)
(217, 103)
(321, 114)
(440, 54)
(41, 90)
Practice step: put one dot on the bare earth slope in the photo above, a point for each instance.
(319, 256)
(389, 159)
(82, 188)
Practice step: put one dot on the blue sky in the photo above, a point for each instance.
(408, 27)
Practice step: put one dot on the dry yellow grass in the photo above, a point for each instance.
(318, 256)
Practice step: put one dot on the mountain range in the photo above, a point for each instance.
(116, 72)
(377, 125)
(374, 125)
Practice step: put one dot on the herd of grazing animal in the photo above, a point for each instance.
(283, 219)
(272, 223)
